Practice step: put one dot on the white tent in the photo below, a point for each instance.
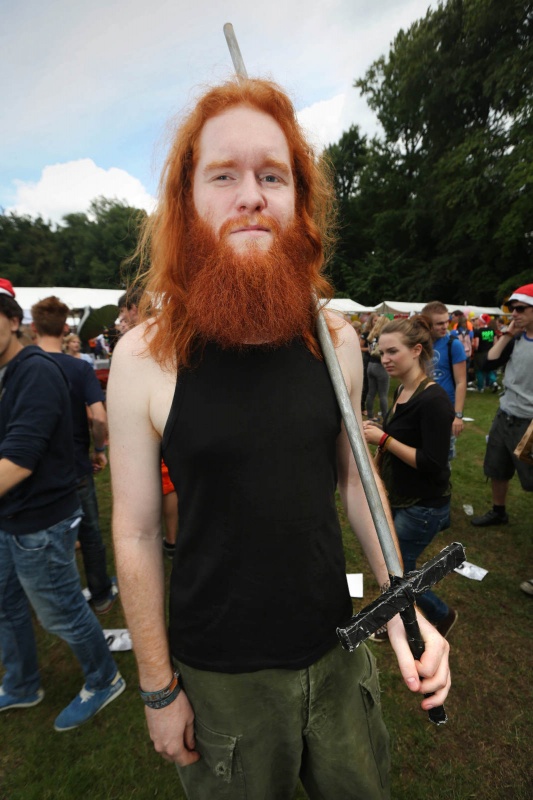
(402, 307)
(347, 306)
(77, 299)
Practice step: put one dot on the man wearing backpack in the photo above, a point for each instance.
(449, 361)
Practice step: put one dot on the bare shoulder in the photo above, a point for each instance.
(348, 350)
(346, 335)
(137, 381)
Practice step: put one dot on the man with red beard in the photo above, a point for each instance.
(248, 690)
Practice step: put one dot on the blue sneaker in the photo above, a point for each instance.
(86, 704)
(8, 701)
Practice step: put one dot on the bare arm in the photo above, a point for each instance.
(373, 435)
(136, 425)
(459, 374)
(431, 673)
(11, 475)
(502, 341)
(100, 432)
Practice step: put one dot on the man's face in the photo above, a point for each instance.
(522, 315)
(128, 318)
(243, 175)
(439, 325)
(8, 340)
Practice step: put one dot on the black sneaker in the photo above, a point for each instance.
(490, 518)
(446, 624)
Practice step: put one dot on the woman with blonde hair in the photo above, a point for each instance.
(413, 451)
(72, 347)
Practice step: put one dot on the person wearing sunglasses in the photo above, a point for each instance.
(514, 349)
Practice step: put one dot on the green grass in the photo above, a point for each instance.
(484, 752)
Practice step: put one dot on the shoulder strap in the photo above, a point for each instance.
(450, 344)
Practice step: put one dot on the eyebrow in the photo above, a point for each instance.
(230, 163)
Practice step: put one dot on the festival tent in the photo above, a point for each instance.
(402, 307)
(347, 306)
(77, 299)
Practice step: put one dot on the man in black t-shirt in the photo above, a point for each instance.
(483, 339)
(86, 397)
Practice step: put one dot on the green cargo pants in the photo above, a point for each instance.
(258, 732)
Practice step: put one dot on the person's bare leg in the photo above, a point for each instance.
(499, 492)
(170, 516)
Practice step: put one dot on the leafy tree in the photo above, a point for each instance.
(444, 199)
(89, 249)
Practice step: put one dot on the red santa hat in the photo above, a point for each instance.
(486, 318)
(524, 294)
(7, 288)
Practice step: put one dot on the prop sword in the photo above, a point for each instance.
(401, 596)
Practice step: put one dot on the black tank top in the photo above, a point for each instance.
(259, 574)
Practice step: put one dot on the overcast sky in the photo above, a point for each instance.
(88, 89)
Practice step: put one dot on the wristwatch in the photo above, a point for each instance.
(459, 414)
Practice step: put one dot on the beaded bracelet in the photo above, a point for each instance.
(164, 697)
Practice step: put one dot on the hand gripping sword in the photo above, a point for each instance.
(401, 596)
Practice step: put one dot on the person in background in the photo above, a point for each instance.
(39, 518)
(449, 365)
(514, 351)
(170, 512)
(378, 379)
(464, 330)
(72, 347)
(365, 330)
(86, 398)
(484, 337)
(128, 308)
(413, 452)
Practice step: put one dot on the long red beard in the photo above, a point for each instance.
(253, 297)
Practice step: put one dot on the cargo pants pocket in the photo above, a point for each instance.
(218, 774)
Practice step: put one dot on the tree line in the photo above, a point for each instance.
(440, 205)
(88, 249)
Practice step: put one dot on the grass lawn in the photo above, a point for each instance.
(485, 752)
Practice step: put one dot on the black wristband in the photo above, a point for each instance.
(99, 449)
(163, 697)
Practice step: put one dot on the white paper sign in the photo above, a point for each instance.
(118, 639)
(355, 584)
(469, 570)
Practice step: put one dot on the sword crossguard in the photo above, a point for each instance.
(400, 599)
(401, 594)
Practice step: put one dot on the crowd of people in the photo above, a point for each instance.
(224, 389)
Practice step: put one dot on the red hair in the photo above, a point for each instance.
(163, 239)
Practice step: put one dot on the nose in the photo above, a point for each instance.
(250, 197)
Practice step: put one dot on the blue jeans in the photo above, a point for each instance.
(90, 537)
(40, 568)
(416, 527)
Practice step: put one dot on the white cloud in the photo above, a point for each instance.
(322, 121)
(70, 187)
